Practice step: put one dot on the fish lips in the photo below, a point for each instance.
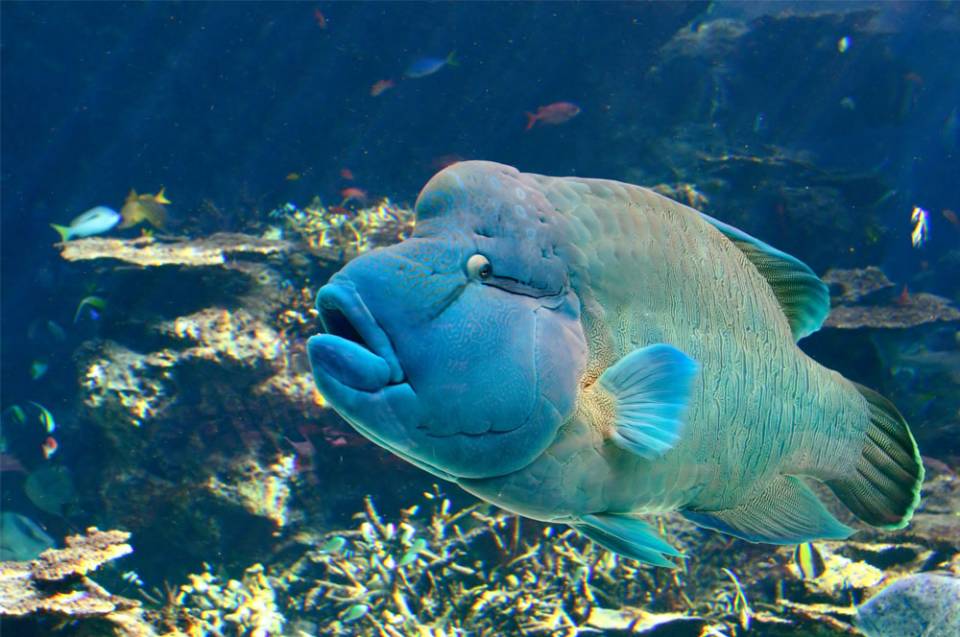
(357, 371)
(354, 349)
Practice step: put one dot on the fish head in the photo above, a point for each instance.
(461, 348)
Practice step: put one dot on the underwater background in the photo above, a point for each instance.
(154, 380)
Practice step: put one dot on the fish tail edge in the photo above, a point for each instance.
(531, 120)
(63, 231)
(883, 489)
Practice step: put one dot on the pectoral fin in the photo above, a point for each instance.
(785, 512)
(651, 388)
(628, 537)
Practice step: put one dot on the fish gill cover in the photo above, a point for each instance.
(579, 385)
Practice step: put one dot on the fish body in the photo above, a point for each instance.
(94, 221)
(921, 226)
(380, 86)
(46, 418)
(423, 67)
(145, 208)
(353, 193)
(49, 447)
(556, 113)
(38, 368)
(809, 561)
(586, 352)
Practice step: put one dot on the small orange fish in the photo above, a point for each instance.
(951, 216)
(381, 86)
(319, 18)
(346, 173)
(353, 194)
(140, 208)
(904, 298)
(49, 447)
(556, 113)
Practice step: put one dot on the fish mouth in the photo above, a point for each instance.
(357, 370)
(354, 348)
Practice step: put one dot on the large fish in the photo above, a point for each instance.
(586, 352)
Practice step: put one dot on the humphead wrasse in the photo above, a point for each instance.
(585, 352)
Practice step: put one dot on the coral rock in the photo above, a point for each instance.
(56, 583)
(152, 251)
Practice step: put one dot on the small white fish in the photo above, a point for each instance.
(94, 221)
(921, 227)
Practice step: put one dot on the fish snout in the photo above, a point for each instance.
(353, 339)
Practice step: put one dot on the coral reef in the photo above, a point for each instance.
(859, 302)
(262, 491)
(56, 583)
(338, 233)
(855, 284)
(917, 309)
(440, 570)
(205, 406)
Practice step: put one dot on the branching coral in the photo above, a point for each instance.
(208, 606)
(467, 571)
(340, 233)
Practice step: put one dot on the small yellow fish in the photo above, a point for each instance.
(293, 176)
(46, 418)
(139, 208)
(808, 561)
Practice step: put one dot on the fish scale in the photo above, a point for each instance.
(660, 243)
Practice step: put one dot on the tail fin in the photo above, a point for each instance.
(452, 59)
(531, 120)
(885, 487)
(63, 230)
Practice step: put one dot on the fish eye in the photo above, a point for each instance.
(478, 267)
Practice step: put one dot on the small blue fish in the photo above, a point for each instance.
(428, 66)
(16, 413)
(418, 546)
(94, 221)
(333, 545)
(354, 613)
(38, 368)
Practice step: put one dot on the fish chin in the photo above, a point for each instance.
(355, 382)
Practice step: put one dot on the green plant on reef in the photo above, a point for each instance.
(341, 233)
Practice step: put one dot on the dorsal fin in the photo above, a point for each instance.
(803, 297)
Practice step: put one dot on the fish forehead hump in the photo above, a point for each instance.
(491, 201)
(622, 247)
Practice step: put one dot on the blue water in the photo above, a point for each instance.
(846, 116)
